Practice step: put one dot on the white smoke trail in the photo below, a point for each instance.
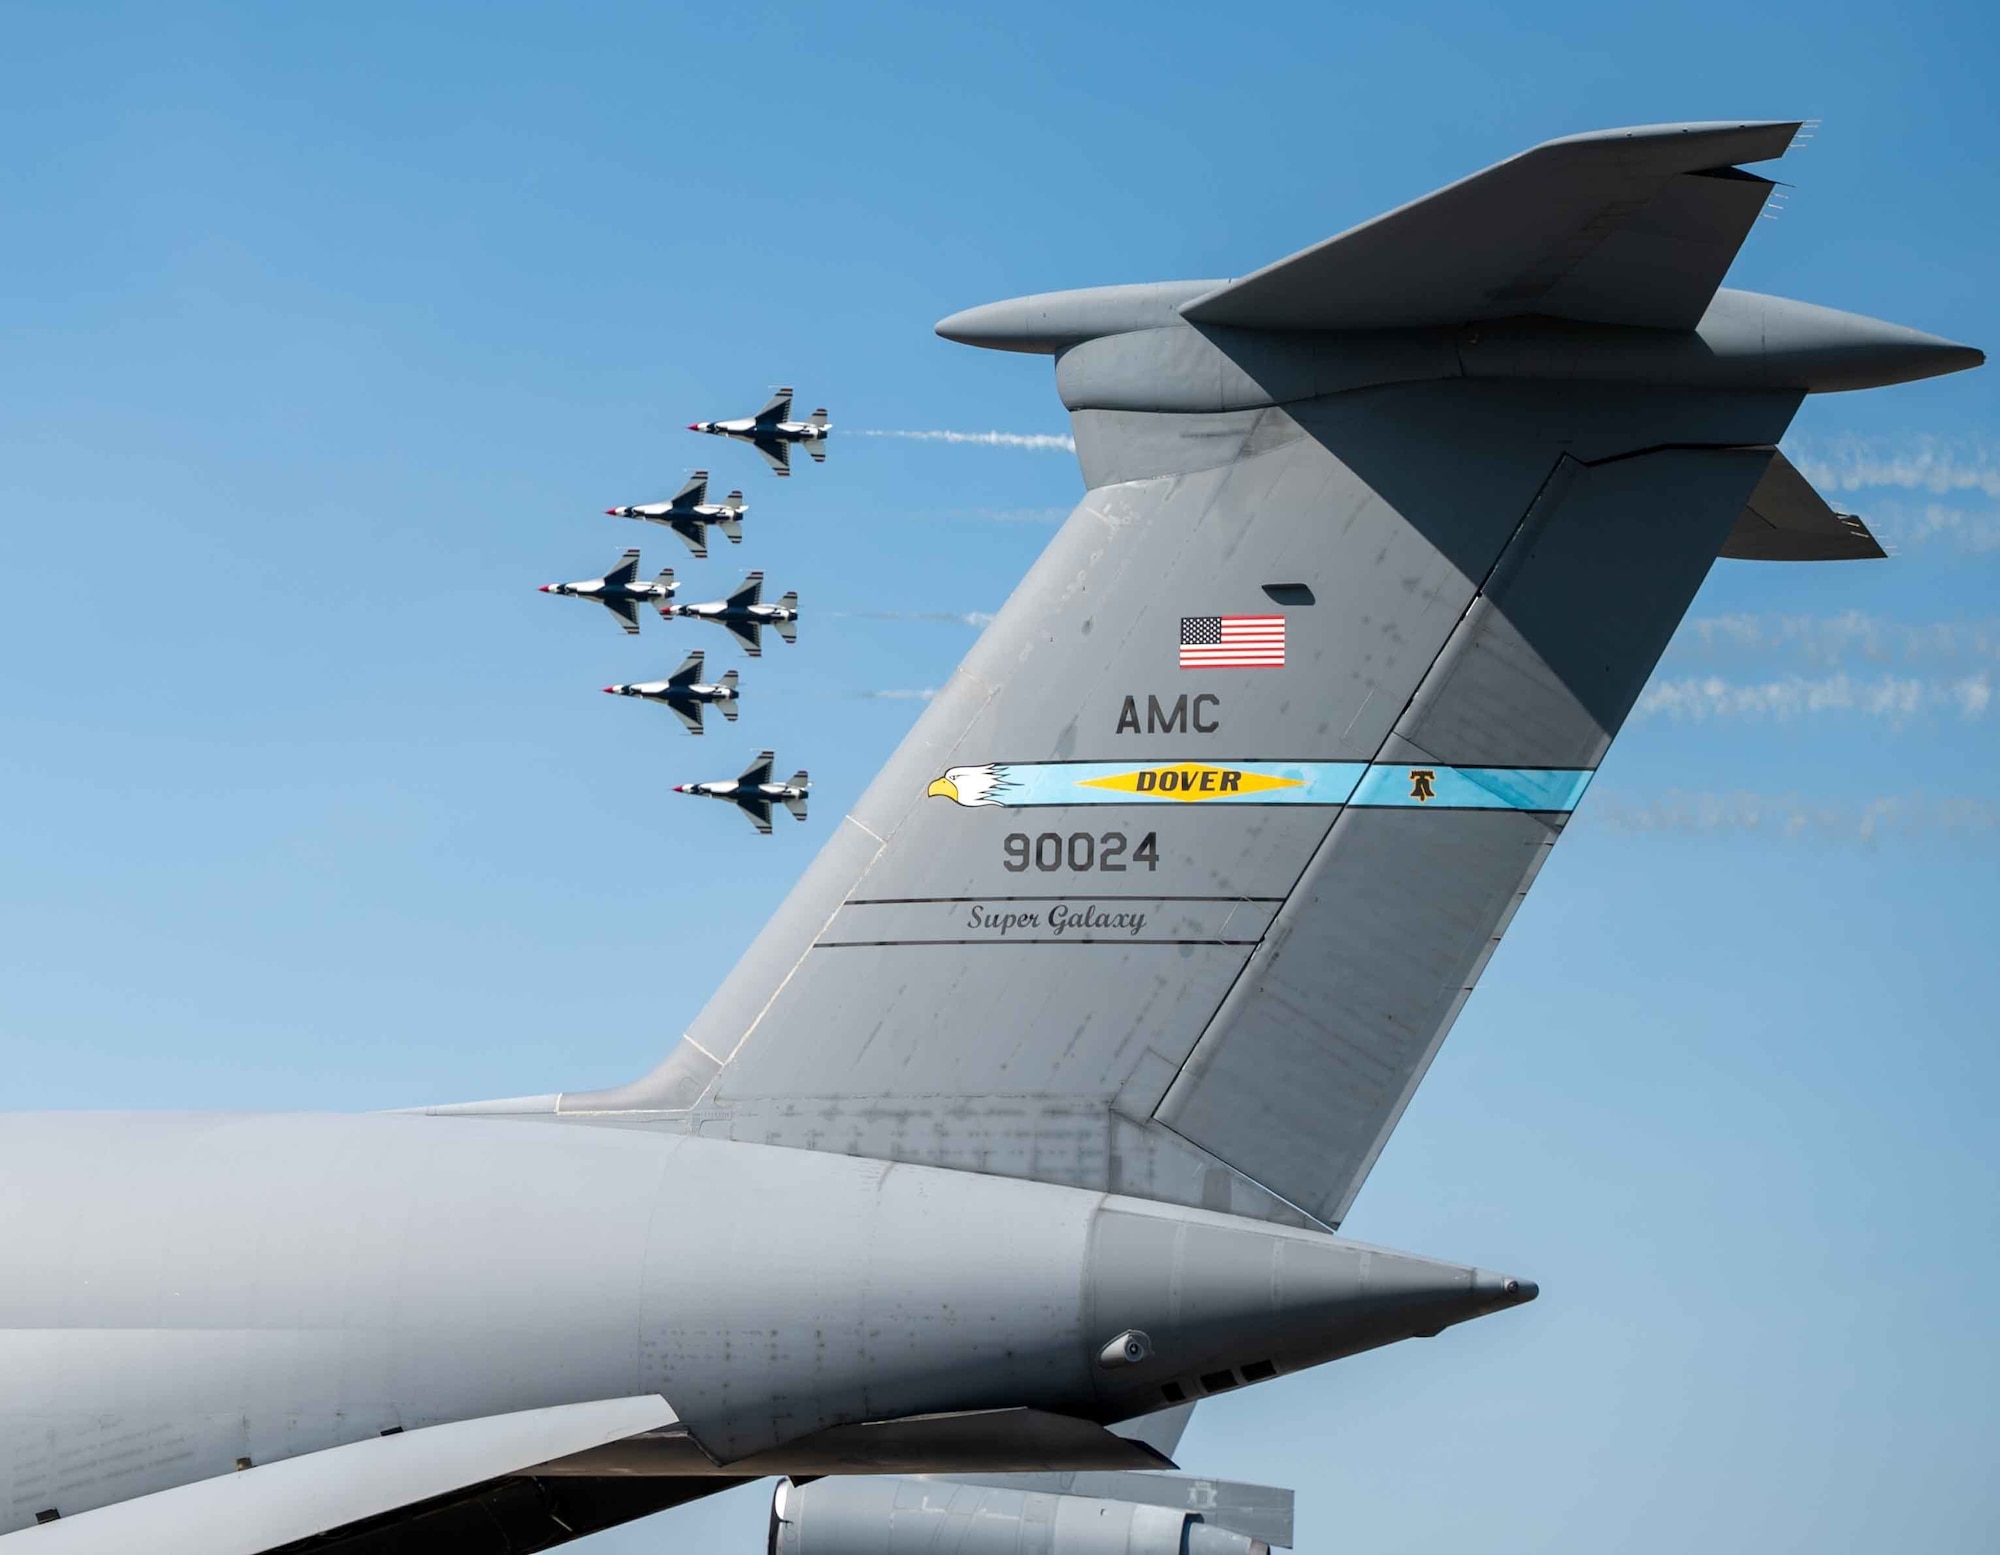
(1048, 440)
(978, 619)
(923, 695)
(1830, 639)
(1916, 462)
(1793, 696)
(1790, 817)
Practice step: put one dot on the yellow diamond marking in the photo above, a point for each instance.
(1191, 781)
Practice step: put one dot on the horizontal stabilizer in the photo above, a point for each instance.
(732, 528)
(734, 500)
(729, 707)
(818, 452)
(1634, 226)
(1786, 520)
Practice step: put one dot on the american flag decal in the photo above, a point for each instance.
(1232, 642)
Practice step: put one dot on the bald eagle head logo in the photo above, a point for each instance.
(985, 785)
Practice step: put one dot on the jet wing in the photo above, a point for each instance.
(311, 1497)
(759, 770)
(777, 451)
(690, 670)
(758, 809)
(748, 592)
(694, 491)
(692, 530)
(627, 611)
(624, 570)
(1633, 226)
(749, 633)
(777, 408)
(689, 713)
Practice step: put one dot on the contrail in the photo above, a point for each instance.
(1830, 639)
(1794, 696)
(972, 618)
(923, 695)
(985, 439)
(1793, 818)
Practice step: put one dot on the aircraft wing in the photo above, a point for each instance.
(758, 809)
(689, 713)
(627, 612)
(690, 669)
(748, 632)
(693, 532)
(1616, 227)
(777, 408)
(625, 569)
(275, 1505)
(777, 452)
(693, 490)
(759, 770)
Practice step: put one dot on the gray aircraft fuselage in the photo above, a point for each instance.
(186, 1291)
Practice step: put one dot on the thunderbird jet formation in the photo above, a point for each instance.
(621, 592)
(745, 616)
(686, 693)
(965, 1171)
(772, 432)
(688, 513)
(754, 793)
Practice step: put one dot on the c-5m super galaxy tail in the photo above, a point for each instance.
(1214, 830)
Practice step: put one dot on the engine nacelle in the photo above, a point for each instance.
(925, 1516)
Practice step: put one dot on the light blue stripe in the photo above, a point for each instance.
(1026, 784)
(1473, 788)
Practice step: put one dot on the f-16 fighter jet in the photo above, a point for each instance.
(686, 693)
(620, 591)
(688, 513)
(744, 616)
(772, 431)
(754, 793)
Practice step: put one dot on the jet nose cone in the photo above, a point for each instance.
(612, 691)
(548, 588)
(694, 426)
(683, 788)
(614, 512)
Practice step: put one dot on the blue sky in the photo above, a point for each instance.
(329, 333)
